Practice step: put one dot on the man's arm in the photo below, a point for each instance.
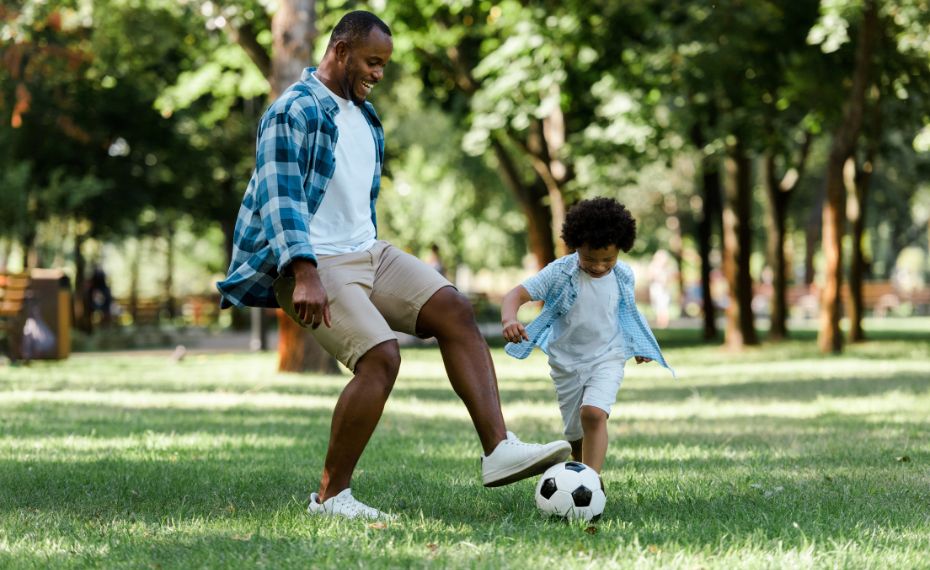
(281, 167)
(310, 300)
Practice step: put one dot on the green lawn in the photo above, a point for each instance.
(772, 458)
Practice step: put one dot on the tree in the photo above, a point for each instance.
(844, 138)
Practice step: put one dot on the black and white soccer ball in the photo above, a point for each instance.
(571, 490)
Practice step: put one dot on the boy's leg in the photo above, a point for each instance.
(600, 392)
(594, 446)
(577, 454)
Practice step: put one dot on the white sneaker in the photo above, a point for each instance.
(513, 460)
(345, 505)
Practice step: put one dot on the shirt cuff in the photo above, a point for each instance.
(297, 251)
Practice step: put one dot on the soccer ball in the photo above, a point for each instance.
(571, 490)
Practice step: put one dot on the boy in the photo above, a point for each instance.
(589, 325)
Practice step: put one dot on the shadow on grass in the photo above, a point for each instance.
(711, 500)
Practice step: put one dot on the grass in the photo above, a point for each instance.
(775, 457)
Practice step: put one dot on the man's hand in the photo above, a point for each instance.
(641, 359)
(310, 301)
(514, 331)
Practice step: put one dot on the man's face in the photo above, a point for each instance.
(363, 65)
(597, 262)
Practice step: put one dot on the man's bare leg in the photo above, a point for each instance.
(448, 316)
(356, 415)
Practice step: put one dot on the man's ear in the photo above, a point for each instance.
(341, 51)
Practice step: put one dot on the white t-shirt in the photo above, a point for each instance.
(588, 333)
(343, 223)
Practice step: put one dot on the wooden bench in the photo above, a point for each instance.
(142, 312)
(14, 288)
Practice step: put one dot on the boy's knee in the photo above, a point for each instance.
(591, 415)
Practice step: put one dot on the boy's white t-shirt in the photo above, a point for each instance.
(343, 223)
(588, 333)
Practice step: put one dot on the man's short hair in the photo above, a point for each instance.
(355, 27)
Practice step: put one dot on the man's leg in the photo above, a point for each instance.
(356, 415)
(448, 316)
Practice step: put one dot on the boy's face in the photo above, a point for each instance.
(597, 262)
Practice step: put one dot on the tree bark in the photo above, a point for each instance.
(531, 198)
(168, 285)
(298, 351)
(780, 192)
(710, 216)
(830, 337)
(737, 247)
(859, 195)
(82, 304)
(293, 29)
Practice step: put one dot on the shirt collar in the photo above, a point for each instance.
(320, 91)
(570, 268)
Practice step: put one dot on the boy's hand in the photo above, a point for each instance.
(641, 359)
(514, 331)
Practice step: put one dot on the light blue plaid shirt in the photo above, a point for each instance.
(557, 286)
(294, 163)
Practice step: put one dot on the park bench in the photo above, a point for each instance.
(14, 288)
(142, 312)
(878, 297)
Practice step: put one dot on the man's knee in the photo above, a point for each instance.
(447, 310)
(591, 415)
(380, 364)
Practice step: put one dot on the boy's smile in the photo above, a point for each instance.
(597, 262)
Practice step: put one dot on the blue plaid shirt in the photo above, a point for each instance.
(294, 162)
(557, 286)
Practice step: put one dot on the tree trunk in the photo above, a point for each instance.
(812, 231)
(709, 216)
(134, 263)
(82, 303)
(858, 193)
(776, 219)
(168, 286)
(298, 351)
(293, 29)
(737, 247)
(531, 198)
(830, 337)
(779, 194)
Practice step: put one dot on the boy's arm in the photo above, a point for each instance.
(513, 329)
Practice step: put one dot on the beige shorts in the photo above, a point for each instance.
(371, 294)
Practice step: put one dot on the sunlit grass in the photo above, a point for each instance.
(771, 458)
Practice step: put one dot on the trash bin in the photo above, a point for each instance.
(51, 294)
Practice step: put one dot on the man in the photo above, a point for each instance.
(306, 240)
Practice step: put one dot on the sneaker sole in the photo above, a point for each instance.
(535, 467)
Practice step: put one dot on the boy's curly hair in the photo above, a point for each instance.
(599, 222)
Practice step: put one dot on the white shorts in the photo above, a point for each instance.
(595, 386)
